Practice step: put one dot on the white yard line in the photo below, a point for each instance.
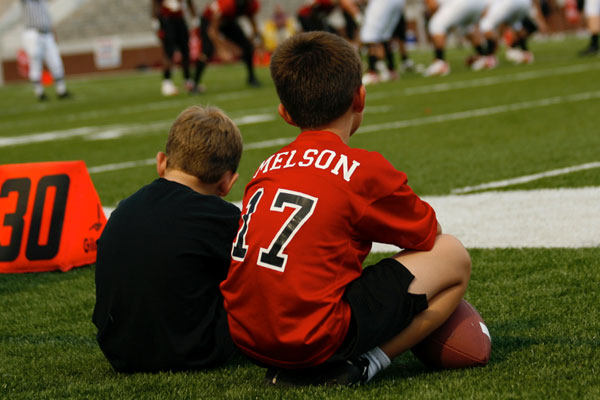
(114, 131)
(480, 112)
(526, 178)
(487, 81)
(374, 95)
(516, 219)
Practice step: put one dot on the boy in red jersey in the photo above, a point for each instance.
(297, 297)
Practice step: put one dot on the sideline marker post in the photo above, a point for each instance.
(50, 217)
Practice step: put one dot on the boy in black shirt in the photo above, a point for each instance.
(164, 251)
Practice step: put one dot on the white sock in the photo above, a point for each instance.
(38, 89)
(61, 87)
(378, 361)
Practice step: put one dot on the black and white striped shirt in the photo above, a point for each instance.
(37, 15)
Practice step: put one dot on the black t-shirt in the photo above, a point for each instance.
(161, 257)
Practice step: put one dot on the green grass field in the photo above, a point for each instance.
(466, 129)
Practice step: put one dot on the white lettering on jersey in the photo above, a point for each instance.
(312, 157)
(264, 166)
(308, 158)
(319, 164)
(289, 164)
(347, 172)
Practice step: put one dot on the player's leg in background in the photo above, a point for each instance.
(442, 274)
(592, 15)
(34, 50)
(208, 49)
(438, 26)
(518, 51)
(168, 44)
(234, 32)
(55, 64)
(182, 38)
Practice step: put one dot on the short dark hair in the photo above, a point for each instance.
(316, 75)
(205, 143)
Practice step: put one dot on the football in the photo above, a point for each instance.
(462, 341)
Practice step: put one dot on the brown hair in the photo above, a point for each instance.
(205, 143)
(316, 75)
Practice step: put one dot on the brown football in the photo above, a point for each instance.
(462, 341)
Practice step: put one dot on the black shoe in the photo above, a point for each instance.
(254, 83)
(589, 51)
(42, 97)
(340, 373)
(65, 95)
(197, 89)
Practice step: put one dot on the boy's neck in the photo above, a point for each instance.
(343, 127)
(190, 181)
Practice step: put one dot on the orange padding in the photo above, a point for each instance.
(50, 217)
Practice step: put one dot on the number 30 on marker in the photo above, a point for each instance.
(50, 217)
(40, 245)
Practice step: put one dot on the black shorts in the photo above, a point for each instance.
(381, 307)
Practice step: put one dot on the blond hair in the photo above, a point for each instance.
(205, 143)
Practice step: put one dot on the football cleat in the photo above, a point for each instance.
(168, 88)
(65, 95)
(589, 51)
(383, 71)
(437, 68)
(197, 89)
(407, 65)
(518, 56)
(485, 62)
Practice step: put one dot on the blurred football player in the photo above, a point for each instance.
(168, 19)
(511, 13)
(220, 18)
(40, 46)
(313, 15)
(381, 18)
(592, 14)
(448, 14)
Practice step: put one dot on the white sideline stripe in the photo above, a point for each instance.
(121, 166)
(526, 178)
(516, 219)
(113, 131)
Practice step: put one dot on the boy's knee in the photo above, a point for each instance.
(457, 255)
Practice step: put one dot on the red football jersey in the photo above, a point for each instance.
(323, 6)
(228, 9)
(171, 8)
(309, 217)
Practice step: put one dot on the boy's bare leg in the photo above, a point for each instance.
(442, 274)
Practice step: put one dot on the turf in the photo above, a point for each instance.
(461, 130)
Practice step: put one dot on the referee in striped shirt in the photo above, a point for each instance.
(40, 46)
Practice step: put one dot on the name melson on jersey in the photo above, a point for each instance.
(322, 159)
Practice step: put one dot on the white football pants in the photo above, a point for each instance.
(40, 48)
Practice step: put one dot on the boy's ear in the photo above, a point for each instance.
(161, 163)
(360, 99)
(226, 183)
(285, 115)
